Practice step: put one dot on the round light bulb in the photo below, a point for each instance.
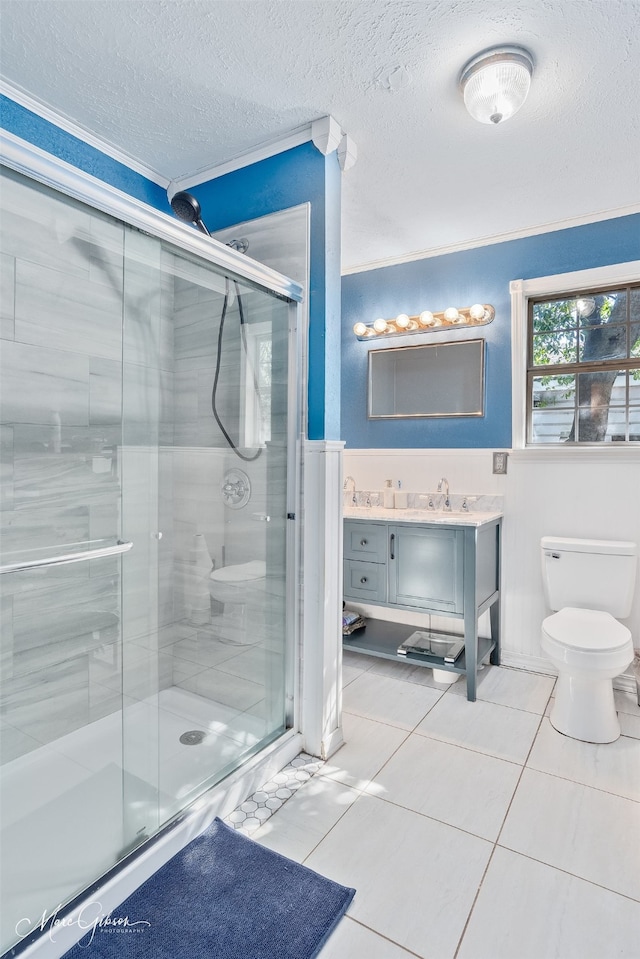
(402, 321)
(451, 315)
(380, 326)
(476, 312)
(426, 318)
(360, 329)
(586, 305)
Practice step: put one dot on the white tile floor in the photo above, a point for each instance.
(473, 831)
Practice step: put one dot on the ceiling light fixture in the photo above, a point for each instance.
(495, 83)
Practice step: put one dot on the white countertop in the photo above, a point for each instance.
(439, 517)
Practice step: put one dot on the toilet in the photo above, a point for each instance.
(241, 589)
(590, 583)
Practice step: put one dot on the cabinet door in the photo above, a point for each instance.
(366, 582)
(365, 541)
(426, 568)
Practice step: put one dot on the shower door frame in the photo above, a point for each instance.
(27, 159)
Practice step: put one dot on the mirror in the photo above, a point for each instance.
(440, 379)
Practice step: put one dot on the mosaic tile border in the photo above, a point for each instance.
(259, 807)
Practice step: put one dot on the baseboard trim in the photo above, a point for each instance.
(537, 664)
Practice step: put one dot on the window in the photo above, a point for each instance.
(576, 359)
(583, 368)
(257, 385)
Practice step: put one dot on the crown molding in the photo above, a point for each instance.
(490, 240)
(325, 133)
(64, 123)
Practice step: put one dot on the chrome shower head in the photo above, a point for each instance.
(187, 208)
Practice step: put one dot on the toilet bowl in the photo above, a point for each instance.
(589, 648)
(241, 589)
(590, 584)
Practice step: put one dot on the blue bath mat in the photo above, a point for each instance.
(223, 896)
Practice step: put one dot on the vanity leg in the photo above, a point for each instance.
(471, 653)
(494, 616)
(470, 613)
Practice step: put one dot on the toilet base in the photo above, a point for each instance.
(584, 709)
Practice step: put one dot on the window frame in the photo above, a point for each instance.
(252, 426)
(558, 285)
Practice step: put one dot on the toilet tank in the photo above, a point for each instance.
(589, 573)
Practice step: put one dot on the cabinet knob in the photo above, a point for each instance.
(363, 579)
(363, 542)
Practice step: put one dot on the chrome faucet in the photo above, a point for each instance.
(445, 482)
(350, 479)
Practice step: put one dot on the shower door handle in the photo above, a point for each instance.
(65, 558)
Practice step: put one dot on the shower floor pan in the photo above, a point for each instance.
(62, 803)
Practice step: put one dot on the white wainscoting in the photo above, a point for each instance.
(579, 493)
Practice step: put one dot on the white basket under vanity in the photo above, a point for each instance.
(445, 563)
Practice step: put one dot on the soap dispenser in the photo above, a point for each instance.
(400, 497)
(387, 495)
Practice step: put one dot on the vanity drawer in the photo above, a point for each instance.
(365, 541)
(365, 581)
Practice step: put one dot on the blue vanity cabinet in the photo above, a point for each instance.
(365, 561)
(448, 568)
(426, 568)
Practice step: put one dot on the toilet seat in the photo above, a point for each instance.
(243, 573)
(586, 630)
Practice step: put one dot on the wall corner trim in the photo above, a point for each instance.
(326, 134)
(347, 153)
(321, 699)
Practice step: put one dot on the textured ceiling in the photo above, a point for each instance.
(182, 85)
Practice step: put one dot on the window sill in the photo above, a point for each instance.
(606, 453)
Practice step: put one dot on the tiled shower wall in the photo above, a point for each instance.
(60, 280)
(70, 469)
(201, 455)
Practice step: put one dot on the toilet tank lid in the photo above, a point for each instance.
(243, 573)
(560, 544)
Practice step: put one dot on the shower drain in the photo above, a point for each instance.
(193, 737)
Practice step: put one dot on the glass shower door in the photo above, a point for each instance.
(61, 551)
(206, 468)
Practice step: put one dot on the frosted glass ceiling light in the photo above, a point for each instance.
(495, 84)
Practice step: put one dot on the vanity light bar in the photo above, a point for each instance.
(477, 315)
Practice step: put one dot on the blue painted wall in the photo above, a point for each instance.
(460, 279)
(299, 175)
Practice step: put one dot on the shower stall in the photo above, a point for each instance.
(150, 397)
